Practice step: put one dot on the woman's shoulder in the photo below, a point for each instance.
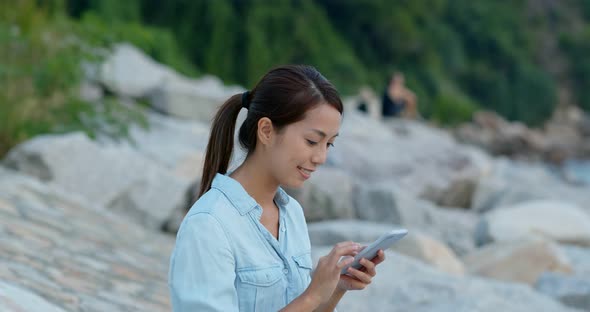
(213, 203)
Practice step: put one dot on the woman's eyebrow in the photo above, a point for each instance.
(322, 133)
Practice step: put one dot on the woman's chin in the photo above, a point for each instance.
(293, 184)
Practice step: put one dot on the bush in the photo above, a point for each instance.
(40, 75)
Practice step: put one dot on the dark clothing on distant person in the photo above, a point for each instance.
(390, 107)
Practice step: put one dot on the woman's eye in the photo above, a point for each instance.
(330, 144)
(312, 143)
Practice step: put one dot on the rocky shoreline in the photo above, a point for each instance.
(87, 225)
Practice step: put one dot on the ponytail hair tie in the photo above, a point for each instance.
(245, 102)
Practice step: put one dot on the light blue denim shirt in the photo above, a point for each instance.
(226, 260)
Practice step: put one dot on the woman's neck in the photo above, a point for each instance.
(256, 181)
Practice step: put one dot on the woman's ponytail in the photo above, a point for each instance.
(221, 141)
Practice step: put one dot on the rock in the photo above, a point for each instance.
(427, 249)
(328, 233)
(416, 156)
(416, 244)
(519, 261)
(536, 218)
(579, 258)
(500, 137)
(459, 193)
(387, 202)
(327, 195)
(75, 254)
(196, 99)
(115, 177)
(176, 144)
(17, 299)
(404, 284)
(454, 227)
(90, 92)
(512, 183)
(561, 138)
(128, 71)
(571, 291)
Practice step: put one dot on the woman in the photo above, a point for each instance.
(398, 100)
(244, 244)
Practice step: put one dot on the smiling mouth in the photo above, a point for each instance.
(306, 172)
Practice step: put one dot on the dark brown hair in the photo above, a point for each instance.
(283, 95)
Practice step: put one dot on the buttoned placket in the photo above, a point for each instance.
(277, 245)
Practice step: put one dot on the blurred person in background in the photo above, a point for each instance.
(244, 245)
(398, 100)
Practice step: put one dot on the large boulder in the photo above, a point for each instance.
(389, 203)
(513, 182)
(128, 71)
(455, 227)
(196, 99)
(115, 177)
(176, 144)
(404, 284)
(518, 261)
(327, 195)
(536, 218)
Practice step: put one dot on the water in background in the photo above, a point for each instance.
(579, 170)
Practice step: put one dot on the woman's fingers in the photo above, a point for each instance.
(360, 275)
(369, 267)
(379, 258)
(343, 249)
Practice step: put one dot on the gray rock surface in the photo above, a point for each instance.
(571, 291)
(115, 177)
(376, 152)
(13, 298)
(403, 284)
(75, 255)
(521, 261)
(510, 183)
(326, 195)
(536, 218)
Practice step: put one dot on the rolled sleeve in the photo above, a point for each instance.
(202, 267)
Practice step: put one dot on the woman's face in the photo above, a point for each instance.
(300, 148)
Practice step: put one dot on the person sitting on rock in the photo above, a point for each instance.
(244, 245)
(399, 100)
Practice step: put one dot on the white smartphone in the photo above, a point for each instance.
(369, 252)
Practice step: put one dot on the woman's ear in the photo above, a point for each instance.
(265, 131)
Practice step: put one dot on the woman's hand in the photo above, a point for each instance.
(327, 273)
(363, 277)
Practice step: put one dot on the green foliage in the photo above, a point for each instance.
(40, 71)
(452, 109)
(577, 47)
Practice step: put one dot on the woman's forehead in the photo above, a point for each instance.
(322, 118)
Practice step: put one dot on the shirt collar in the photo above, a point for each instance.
(238, 196)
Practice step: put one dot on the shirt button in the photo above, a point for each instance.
(286, 271)
(283, 229)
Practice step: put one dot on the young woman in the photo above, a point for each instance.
(244, 245)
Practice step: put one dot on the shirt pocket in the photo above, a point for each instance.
(261, 289)
(304, 266)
